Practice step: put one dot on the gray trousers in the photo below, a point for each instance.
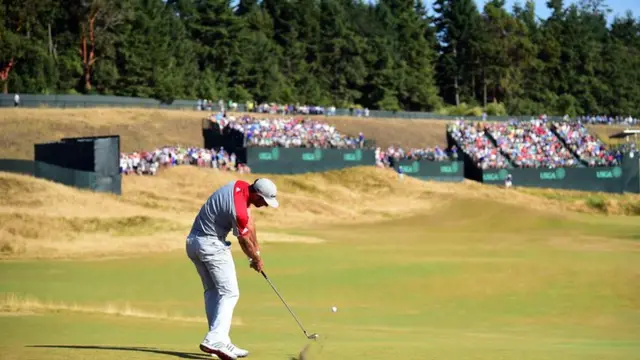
(214, 263)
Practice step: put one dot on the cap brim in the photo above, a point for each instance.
(271, 202)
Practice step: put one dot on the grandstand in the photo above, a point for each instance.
(491, 145)
(475, 142)
(286, 144)
(535, 151)
(531, 144)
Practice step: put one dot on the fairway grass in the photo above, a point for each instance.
(415, 288)
(468, 272)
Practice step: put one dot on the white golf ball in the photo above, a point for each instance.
(334, 309)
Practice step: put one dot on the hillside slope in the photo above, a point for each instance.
(44, 219)
(144, 129)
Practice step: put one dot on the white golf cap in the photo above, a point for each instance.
(267, 189)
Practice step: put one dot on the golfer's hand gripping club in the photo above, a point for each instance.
(254, 265)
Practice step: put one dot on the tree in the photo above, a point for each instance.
(385, 54)
(9, 45)
(458, 28)
(340, 55)
(155, 57)
(96, 21)
(417, 65)
(507, 53)
(23, 35)
(264, 80)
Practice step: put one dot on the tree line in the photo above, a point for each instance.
(387, 54)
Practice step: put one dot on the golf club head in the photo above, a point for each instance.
(313, 336)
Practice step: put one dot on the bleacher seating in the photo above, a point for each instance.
(393, 154)
(290, 132)
(530, 144)
(475, 143)
(498, 145)
(586, 146)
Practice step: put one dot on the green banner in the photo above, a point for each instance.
(301, 160)
(448, 171)
(587, 179)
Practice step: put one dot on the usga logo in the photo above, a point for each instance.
(354, 156)
(616, 172)
(410, 169)
(558, 174)
(449, 169)
(316, 155)
(500, 175)
(274, 154)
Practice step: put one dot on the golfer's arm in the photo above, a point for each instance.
(248, 241)
(249, 245)
(254, 233)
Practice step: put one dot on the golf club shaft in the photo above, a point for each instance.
(284, 302)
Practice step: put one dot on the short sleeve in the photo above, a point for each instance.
(240, 200)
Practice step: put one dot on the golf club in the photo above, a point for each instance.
(313, 336)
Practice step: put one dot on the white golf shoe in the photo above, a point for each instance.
(221, 350)
(240, 353)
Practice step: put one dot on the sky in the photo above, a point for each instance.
(618, 7)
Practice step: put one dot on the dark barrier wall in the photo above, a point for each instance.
(301, 160)
(231, 140)
(471, 171)
(448, 171)
(25, 167)
(70, 177)
(84, 162)
(99, 154)
(631, 172)
(587, 179)
(78, 178)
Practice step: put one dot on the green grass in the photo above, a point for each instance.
(474, 280)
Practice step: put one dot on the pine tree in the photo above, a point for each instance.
(458, 28)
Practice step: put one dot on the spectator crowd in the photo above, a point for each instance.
(535, 144)
(530, 144)
(149, 162)
(588, 147)
(289, 132)
(391, 155)
(266, 108)
(604, 120)
(474, 142)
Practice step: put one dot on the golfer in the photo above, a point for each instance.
(226, 210)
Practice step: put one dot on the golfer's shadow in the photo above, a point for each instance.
(178, 354)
